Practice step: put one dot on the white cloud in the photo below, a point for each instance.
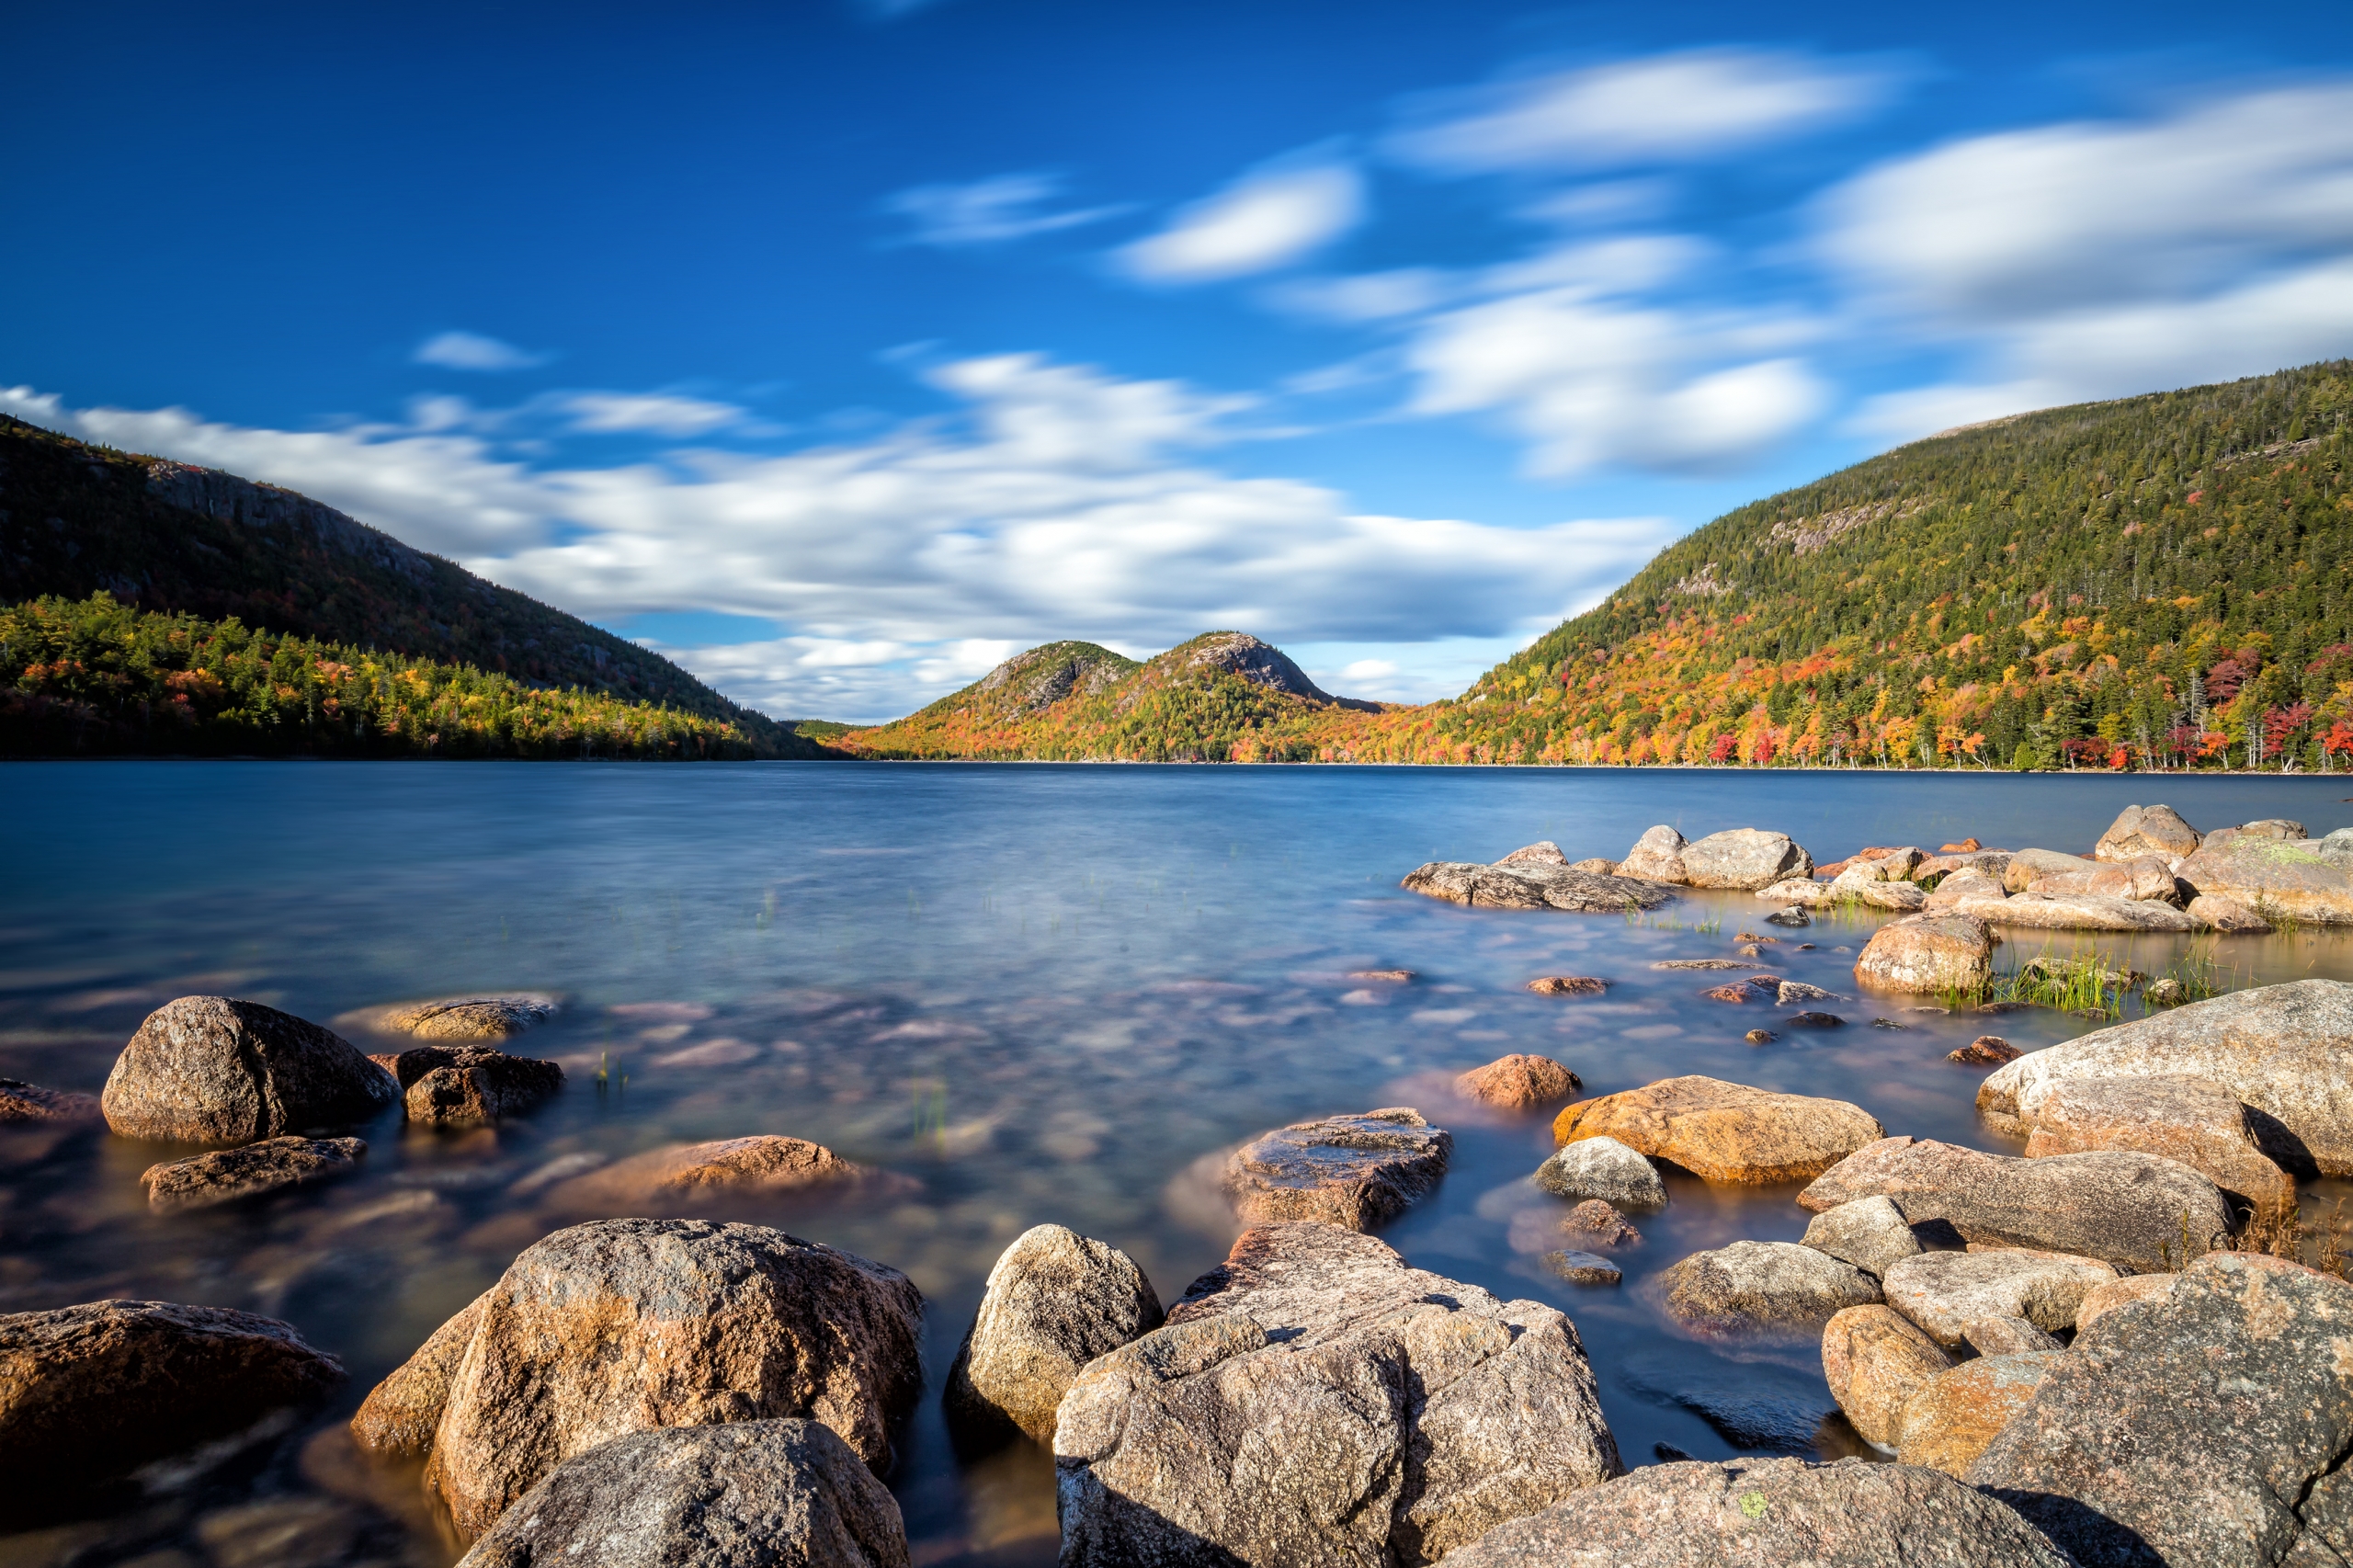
(2097, 259)
(990, 211)
(653, 412)
(1267, 218)
(1663, 108)
(904, 562)
(472, 351)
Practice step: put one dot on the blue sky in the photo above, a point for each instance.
(840, 348)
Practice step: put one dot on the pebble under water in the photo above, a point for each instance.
(1042, 993)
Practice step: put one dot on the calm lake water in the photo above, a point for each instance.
(1044, 993)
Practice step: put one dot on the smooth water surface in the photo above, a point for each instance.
(1044, 993)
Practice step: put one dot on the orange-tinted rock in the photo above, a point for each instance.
(1966, 846)
(1928, 952)
(1596, 1222)
(1517, 1083)
(226, 1175)
(1726, 1132)
(466, 1017)
(729, 1168)
(2101, 1299)
(1953, 1420)
(1875, 1362)
(1567, 985)
(1985, 1051)
(2190, 1120)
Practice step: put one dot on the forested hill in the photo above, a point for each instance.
(77, 519)
(2158, 581)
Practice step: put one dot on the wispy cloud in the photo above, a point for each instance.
(472, 351)
(990, 211)
(655, 413)
(1267, 218)
(1663, 108)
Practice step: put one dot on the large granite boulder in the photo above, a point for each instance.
(1952, 1421)
(2046, 911)
(490, 1018)
(1054, 1302)
(749, 1494)
(21, 1103)
(96, 1390)
(625, 1326)
(2193, 1121)
(1934, 950)
(1603, 1168)
(2027, 867)
(1763, 1288)
(1315, 1399)
(215, 1070)
(226, 1175)
(1533, 885)
(726, 1171)
(2127, 1209)
(1743, 858)
(1518, 1082)
(2336, 848)
(1870, 1232)
(1351, 1171)
(1725, 1133)
(1962, 885)
(2204, 1429)
(2215, 913)
(1946, 1293)
(2116, 1294)
(1875, 1360)
(2141, 831)
(2144, 880)
(469, 1085)
(1779, 1513)
(2285, 1050)
(1657, 855)
(2273, 876)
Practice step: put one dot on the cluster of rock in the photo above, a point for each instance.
(1537, 877)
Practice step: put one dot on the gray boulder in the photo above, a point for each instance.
(1744, 857)
(2130, 1210)
(1657, 855)
(1947, 1292)
(2011, 1336)
(1314, 1400)
(1770, 1514)
(226, 1175)
(2206, 1428)
(1054, 1302)
(2285, 1050)
(1351, 1171)
(625, 1326)
(98, 1390)
(2336, 848)
(215, 1070)
(2141, 831)
(1934, 950)
(1763, 1288)
(2273, 876)
(748, 1494)
(1603, 1168)
(1870, 1232)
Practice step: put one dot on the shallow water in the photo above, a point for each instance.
(1044, 993)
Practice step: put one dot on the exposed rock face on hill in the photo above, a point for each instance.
(1042, 676)
(1260, 664)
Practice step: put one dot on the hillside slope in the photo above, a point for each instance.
(159, 536)
(2157, 582)
(1222, 696)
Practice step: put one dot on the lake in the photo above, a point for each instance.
(1043, 992)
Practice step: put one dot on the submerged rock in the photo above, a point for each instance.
(226, 1175)
(2235, 1393)
(2141, 831)
(1985, 1051)
(1567, 985)
(23, 1102)
(468, 1086)
(1743, 858)
(1533, 886)
(1583, 1268)
(1054, 1302)
(1601, 1168)
(1315, 1399)
(96, 1390)
(1945, 1292)
(1870, 1232)
(1598, 1222)
(1517, 1083)
(784, 1494)
(1725, 1133)
(1763, 1287)
(2197, 1122)
(1875, 1361)
(215, 1070)
(1351, 1171)
(2130, 1210)
(1770, 1514)
(467, 1017)
(2285, 1050)
(727, 1170)
(1950, 1423)
(1927, 952)
(624, 1325)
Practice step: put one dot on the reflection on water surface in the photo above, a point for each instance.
(1044, 993)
